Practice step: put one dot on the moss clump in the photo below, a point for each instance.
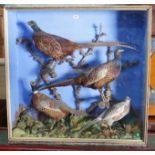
(21, 125)
(17, 132)
(136, 136)
(70, 126)
(126, 136)
(96, 128)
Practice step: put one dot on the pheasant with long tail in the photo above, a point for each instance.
(96, 77)
(58, 47)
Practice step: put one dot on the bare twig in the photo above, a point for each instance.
(29, 47)
(107, 92)
(20, 110)
(70, 60)
(47, 69)
(76, 90)
(98, 35)
(129, 64)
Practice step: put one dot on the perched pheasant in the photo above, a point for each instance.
(96, 77)
(53, 108)
(115, 113)
(58, 47)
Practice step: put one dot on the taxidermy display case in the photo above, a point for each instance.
(77, 74)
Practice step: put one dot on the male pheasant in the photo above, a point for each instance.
(58, 47)
(96, 77)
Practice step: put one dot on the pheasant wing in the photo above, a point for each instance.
(47, 44)
(66, 45)
(96, 75)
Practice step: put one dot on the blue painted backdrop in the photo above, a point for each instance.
(123, 26)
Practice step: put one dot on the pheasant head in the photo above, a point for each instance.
(34, 26)
(118, 53)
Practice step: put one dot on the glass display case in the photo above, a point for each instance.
(77, 74)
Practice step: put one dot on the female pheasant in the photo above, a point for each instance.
(53, 108)
(114, 114)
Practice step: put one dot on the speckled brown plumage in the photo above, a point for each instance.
(48, 106)
(58, 47)
(53, 46)
(53, 108)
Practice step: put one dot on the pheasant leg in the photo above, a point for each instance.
(104, 98)
(102, 95)
(108, 94)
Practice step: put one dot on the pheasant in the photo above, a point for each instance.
(53, 108)
(96, 77)
(115, 113)
(58, 48)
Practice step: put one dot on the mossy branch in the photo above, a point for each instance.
(47, 69)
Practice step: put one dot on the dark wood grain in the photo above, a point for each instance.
(3, 117)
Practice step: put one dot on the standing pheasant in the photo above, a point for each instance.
(58, 47)
(96, 77)
(115, 113)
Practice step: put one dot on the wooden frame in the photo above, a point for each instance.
(81, 142)
(2, 96)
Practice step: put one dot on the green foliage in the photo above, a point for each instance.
(70, 126)
(21, 125)
(96, 128)
(17, 132)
